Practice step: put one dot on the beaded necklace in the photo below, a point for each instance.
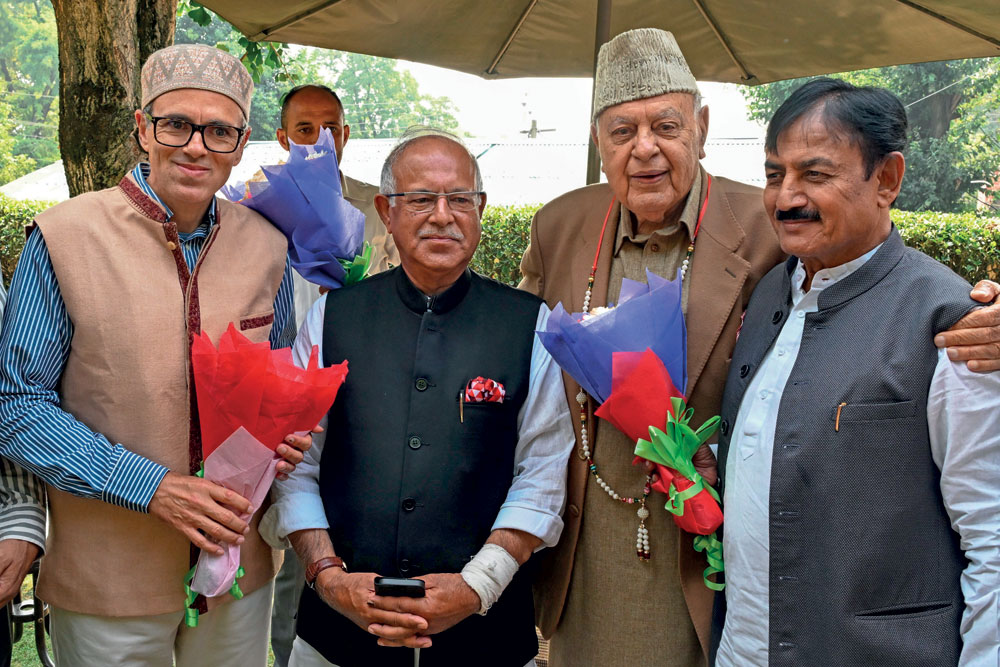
(642, 536)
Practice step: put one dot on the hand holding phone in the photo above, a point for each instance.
(399, 587)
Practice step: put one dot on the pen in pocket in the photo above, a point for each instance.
(836, 425)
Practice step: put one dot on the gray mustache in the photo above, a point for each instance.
(450, 232)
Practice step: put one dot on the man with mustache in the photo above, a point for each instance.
(445, 455)
(95, 379)
(660, 211)
(860, 466)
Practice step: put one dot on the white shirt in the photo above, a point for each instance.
(964, 425)
(304, 296)
(537, 493)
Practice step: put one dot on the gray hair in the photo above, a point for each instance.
(388, 183)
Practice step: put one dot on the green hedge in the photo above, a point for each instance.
(506, 231)
(968, 243)
(14, 216)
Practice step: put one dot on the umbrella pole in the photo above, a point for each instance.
(601, 35)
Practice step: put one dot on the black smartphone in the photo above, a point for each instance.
(399, 587)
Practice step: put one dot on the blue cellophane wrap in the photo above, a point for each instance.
(647, 316)
(303, 199)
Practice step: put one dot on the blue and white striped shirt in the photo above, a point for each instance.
(35, 340)
(22, 496)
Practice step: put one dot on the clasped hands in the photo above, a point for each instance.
(209, 514)
(398, 621)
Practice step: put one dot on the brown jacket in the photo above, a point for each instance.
(736, 246)
(134, 307)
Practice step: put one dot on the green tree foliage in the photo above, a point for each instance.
(269, 63)
(380, 101)
(12, 164)
(29, 87)
(954, 122)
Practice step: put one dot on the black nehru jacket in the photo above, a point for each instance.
(412, 484)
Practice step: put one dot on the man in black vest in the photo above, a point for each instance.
(860, 466)
(447, 444)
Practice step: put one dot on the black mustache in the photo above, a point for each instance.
(796, 214)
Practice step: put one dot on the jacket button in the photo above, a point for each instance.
(414, 442)
(724, 427)
(776, 317)
(404, 565)
(421, 384)
(409, 504)
(744, 370)
(574, 510)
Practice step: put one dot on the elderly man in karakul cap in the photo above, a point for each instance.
(624, 585)
(95, 390)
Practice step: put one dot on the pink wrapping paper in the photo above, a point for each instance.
(244, 465)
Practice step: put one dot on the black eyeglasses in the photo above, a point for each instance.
(175, 132)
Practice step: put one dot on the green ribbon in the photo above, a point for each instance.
(712, 547)
(201, 471)
(675, 498)
(190, 613)
(674, 447)
(356, 269)
(234, 590)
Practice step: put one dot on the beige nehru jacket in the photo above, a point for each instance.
(134, 307)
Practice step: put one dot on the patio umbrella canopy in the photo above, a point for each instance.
(737, 41)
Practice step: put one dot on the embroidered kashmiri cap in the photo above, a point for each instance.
(196, 66)
(637, 64)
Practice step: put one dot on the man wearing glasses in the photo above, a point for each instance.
(95, 391)
(447, 456)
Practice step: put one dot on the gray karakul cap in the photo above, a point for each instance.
(637, 64)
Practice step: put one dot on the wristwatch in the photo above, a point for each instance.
(318, 566)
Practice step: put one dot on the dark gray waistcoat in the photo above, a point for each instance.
(864, 565)
(410, 485)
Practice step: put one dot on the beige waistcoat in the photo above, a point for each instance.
(134, 307)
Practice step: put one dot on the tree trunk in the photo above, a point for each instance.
(937, 114)
(102, 45)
